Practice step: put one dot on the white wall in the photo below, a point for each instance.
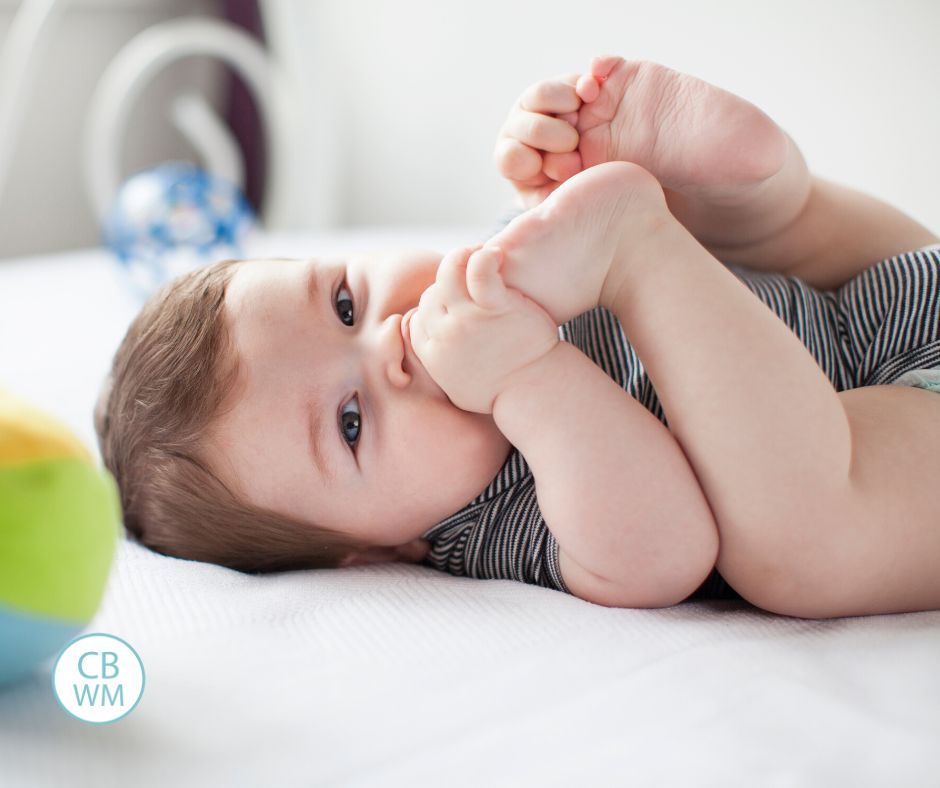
(414, 91)
(43, 204)
(403, 99)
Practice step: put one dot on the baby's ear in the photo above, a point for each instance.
(411, 553)
(371, 555)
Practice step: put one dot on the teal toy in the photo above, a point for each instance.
(59, 525)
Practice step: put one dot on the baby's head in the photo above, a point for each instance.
(268, 415)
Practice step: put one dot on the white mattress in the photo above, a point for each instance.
(397, 674)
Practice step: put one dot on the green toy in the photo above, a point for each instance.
(59, 523)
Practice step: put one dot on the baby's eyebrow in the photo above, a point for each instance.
(315, 432)
(313, 410)
(313, 283)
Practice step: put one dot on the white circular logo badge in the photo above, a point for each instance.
(98, 678)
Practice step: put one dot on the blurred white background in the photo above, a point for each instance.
(402, 101)
(43, 203)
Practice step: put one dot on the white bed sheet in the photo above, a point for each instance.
(397, 674)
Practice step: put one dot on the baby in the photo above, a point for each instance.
(278, 414)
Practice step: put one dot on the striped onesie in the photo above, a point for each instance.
(881, 326)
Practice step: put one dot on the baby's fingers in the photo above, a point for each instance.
(588, 88)
(451, 277)
(484, 282)
(541, 131)
(516, 161)
(561, 166)
(553, 96)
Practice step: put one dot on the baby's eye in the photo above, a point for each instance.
(351, 421)
(340, 300)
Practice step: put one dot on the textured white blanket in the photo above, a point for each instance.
(401, 675)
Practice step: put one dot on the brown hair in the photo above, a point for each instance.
(169, 379)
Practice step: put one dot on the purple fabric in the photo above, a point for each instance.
(241, 113)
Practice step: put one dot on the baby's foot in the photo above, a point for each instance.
(693, 136)
(560, 253)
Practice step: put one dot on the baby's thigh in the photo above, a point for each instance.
(874, 546)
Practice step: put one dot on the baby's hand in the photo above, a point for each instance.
(537, 147)
(472, 333)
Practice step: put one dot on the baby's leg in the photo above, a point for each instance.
(826, 502)
(839, 233)
(731, 175)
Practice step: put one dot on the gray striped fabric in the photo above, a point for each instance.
(883, 323)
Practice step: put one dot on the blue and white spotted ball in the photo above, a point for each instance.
(172, 218)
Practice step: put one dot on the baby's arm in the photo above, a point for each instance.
(614, 487)
(839, 233)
